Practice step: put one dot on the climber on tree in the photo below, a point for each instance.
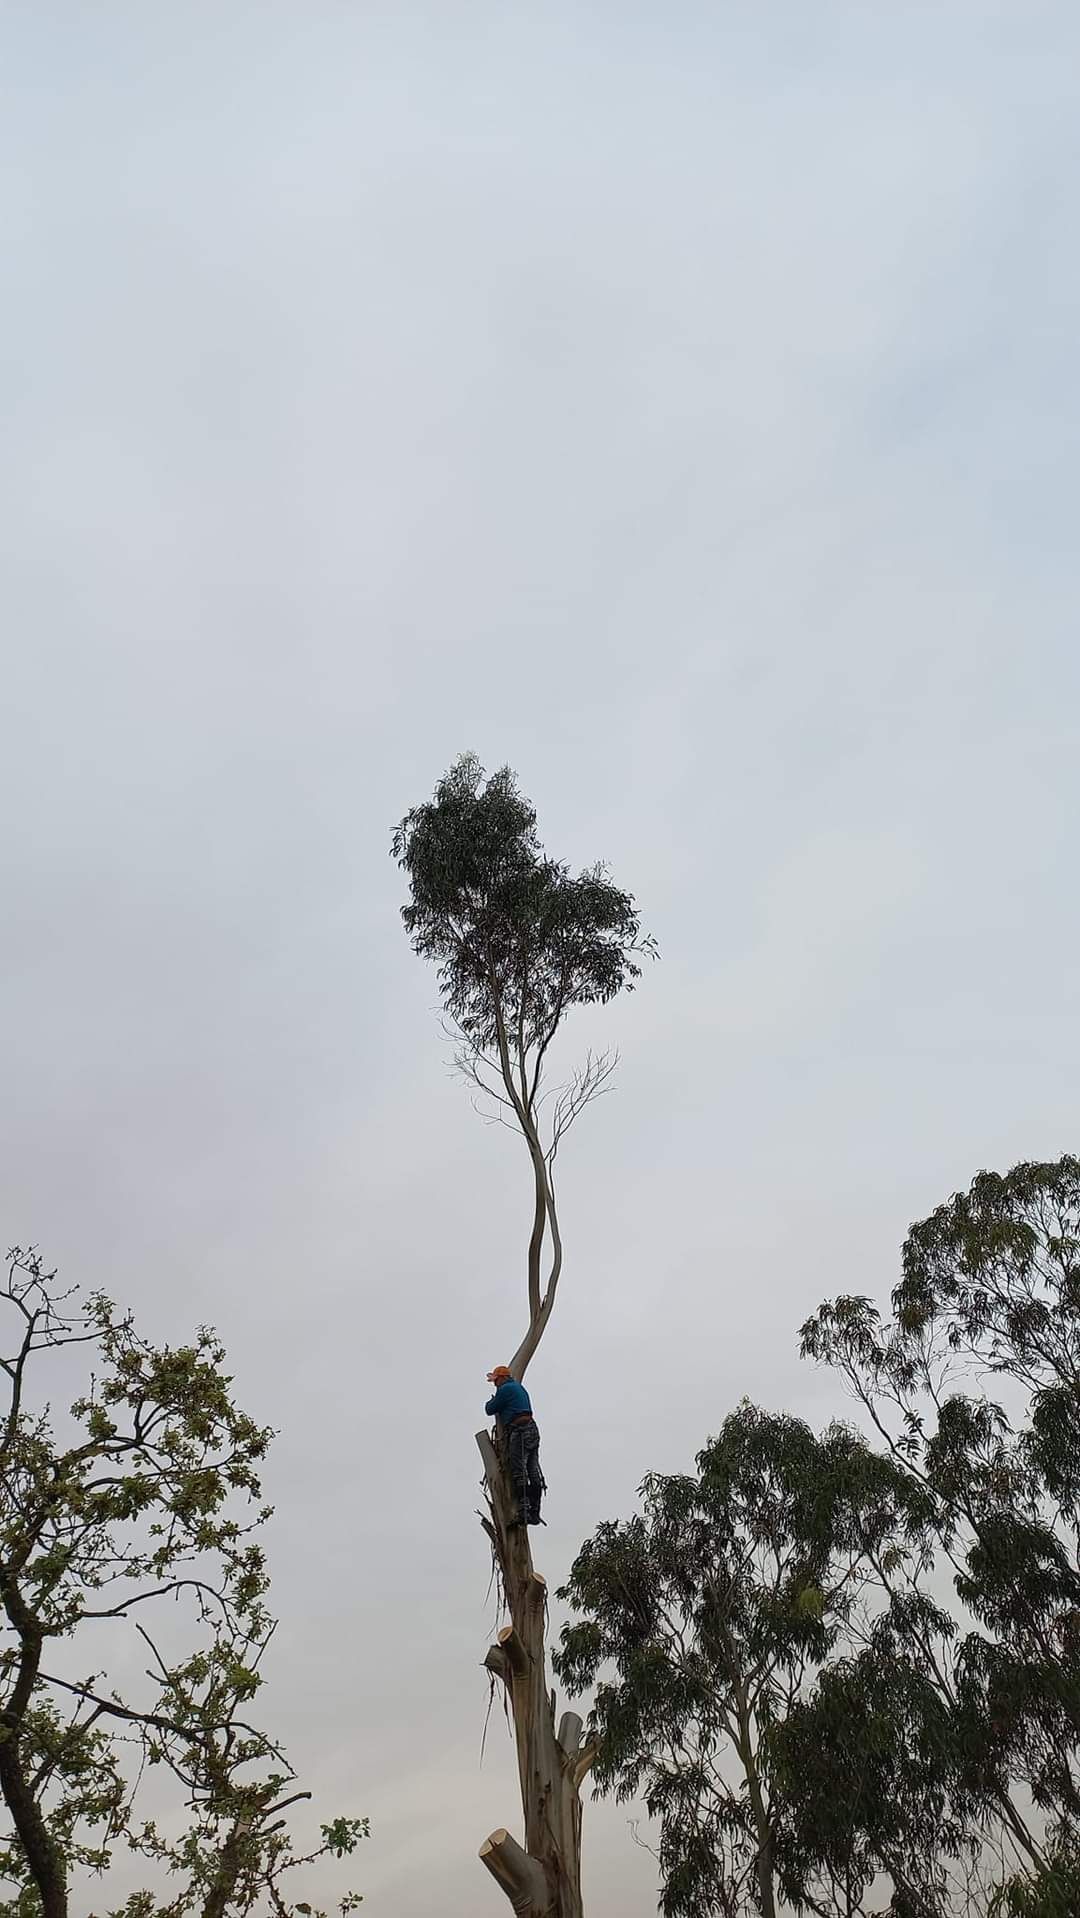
(511, 1405)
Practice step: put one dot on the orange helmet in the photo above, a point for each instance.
(500, 1373)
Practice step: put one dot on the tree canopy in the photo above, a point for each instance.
(705, 1619)
(835, 1664)
(973, 1384)
(516, 937)
(148, 1492)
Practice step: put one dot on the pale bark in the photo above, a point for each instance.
(544, 1880)
(520, 1876)
(545, 1217)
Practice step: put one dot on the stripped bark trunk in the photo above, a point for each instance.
(544, 1880)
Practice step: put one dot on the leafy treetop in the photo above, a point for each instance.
(517, 938)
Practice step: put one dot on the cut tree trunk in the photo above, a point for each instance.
(544, 1880)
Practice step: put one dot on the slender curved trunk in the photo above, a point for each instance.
(542, 1880)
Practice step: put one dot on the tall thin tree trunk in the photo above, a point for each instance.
(544, 1879)
(763, 1867)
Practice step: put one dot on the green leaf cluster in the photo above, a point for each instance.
(148, 1494)
(516, 937)
(828, 1663)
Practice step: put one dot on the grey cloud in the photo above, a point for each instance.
(681, 405)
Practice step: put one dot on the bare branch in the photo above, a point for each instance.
(173, 1587)
(589, 1083)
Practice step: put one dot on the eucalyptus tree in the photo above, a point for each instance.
(844, 1672)
(972, 1383)
(136, 1514)
(704, 1622)
(519, 941)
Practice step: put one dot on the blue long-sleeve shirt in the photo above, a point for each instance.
(509, 1402)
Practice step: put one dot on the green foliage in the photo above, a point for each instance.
(517, 939)
(1052, 1890)
(703, 1621)
(343, 1835)
(153, 1493)
(869, 1770)
(990, 1298)
(775, 1672)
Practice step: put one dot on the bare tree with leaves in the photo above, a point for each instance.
(147, 1507)
(518, 941)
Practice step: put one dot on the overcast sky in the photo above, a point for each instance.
(680, 403)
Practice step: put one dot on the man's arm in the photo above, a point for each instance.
(492, 1403)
